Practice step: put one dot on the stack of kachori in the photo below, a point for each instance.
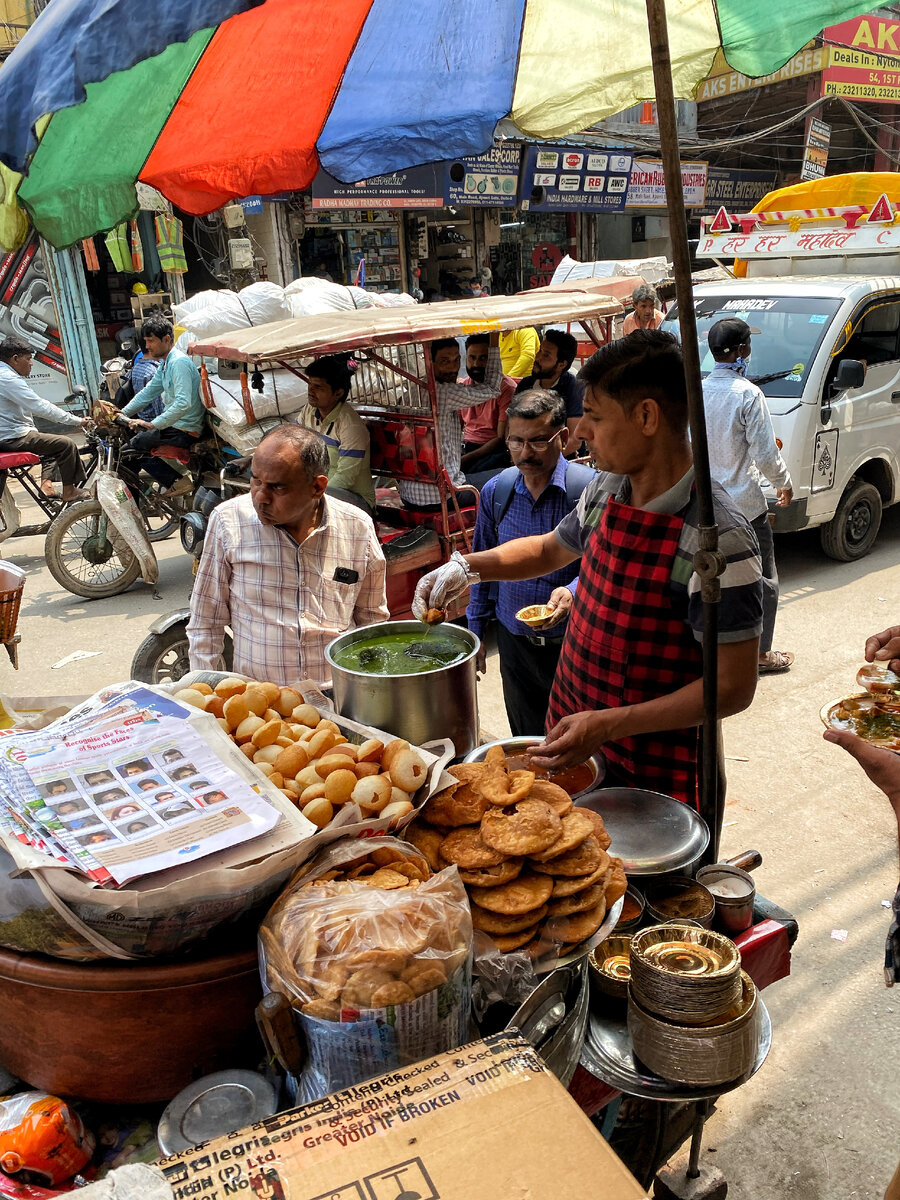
(535, 867)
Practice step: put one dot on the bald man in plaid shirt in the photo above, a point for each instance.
(287, 568)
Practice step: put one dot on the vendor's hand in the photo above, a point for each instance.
(439, 587)
(481, 661)
(561, 603)
(785, 496)
(885, 647)
(574, 739)
(881, 766)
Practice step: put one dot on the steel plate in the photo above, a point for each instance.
(608, 1055)
(651, 833)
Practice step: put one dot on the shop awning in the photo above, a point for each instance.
(252, 104)
(332, 333)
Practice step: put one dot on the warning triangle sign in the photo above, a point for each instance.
(721, 222)
(882, 213)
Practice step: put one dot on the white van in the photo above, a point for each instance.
(826, 352)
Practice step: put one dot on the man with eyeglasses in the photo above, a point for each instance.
(529, 498)
(20, 404)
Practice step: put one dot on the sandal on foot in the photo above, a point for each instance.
(82, 495)
(776, 662)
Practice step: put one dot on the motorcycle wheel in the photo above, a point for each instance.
(160, 516)
(84, 563)
(163, 657)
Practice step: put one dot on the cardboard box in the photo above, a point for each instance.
(486, 1122)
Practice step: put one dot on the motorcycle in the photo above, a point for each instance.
(99, 547)
(162, 656)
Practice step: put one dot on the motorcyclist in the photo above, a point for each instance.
(183, 416)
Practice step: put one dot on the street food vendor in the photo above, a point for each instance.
(629, 680)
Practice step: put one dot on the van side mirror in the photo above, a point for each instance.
(851, 373)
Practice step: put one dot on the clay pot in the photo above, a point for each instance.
(126, 1034)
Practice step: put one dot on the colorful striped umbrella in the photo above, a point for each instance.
(252, 103)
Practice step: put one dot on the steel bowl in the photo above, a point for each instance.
(609, 965)
(632, 924)
(520, 745)
(682, 974)
(420, 707)
(666, 896)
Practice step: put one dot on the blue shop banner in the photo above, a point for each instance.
(413, 187)
(574, 179)
(485, 180)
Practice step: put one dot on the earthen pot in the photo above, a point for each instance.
(119, 1033)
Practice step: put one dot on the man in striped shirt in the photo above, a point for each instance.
(287, 568)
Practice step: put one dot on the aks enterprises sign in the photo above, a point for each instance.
(863, 60)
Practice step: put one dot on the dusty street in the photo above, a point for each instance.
(820, 1119)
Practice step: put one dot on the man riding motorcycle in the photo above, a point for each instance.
(183, 416)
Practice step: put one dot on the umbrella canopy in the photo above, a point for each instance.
(254, 104)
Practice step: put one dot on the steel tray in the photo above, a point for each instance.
(609, 1056)
(653, 834)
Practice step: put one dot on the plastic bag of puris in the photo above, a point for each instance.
(373, 950)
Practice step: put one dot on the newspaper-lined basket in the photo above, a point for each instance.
(12, 584)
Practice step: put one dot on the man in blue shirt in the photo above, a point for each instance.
(533, 497)
(183, 416)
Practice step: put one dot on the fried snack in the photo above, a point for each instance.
(318, 810)
(525, 828)
(523, 894)
(322, 1010)
(489, 877)
(574, 929)
(551, 793)
(435, 616)
(370, 751)
(466, 848)
(512, 941)
(580, 902)
(362, 985)
(465, 772)
(390, 752)
(427, 840)
(395, 992)
(396, 810)
(575, 828)
(618, 883)
(423, 977)
(339, 786)
(569, 886)
(599, 828)
(407, 770)
(459, 804)
(227, 688)
(372, 793)
(506, 787)
(582, 861)
(491, 922)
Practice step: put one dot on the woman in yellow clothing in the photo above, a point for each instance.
(517, 350)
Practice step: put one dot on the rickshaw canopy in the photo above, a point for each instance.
(340, 332)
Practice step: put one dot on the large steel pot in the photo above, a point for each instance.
(442, 703)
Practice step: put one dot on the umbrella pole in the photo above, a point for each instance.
(708, 561)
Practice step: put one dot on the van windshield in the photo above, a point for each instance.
(787, 333)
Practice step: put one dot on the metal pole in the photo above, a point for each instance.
(708, 562)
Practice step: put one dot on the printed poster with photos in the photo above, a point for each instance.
(124, 786)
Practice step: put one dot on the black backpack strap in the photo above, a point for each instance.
(503, 493)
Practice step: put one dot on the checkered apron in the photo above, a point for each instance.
(625, 644)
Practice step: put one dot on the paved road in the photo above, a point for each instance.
(819, 1122)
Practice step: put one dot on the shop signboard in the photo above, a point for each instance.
(815, 154)
(252, 205)
(863, 60)
(723, 81)
(27, 311)
(647, 188)
(738, 190)
(574, 179)
(484, 180)
(413, 187)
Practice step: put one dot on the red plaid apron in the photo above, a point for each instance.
(625, 644)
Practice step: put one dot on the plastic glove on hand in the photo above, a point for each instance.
(439, 587)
